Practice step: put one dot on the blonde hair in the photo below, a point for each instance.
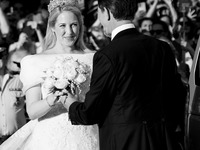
(50, 38)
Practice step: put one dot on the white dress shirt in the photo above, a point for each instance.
(121, 28)
(12, 112)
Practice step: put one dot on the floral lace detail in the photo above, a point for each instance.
(64, 135)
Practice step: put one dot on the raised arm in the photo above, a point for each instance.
(152, 9)
(172, 11)
(34, 25)
(4, 26)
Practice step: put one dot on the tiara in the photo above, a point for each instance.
(55, 3)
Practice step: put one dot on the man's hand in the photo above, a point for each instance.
(68, 99)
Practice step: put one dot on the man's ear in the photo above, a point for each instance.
(107, 11)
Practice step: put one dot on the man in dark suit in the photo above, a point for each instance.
(133, 95)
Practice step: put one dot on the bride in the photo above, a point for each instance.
(50, 127)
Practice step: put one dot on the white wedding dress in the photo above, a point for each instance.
(53, 131)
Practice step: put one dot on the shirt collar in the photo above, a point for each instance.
(121, 28)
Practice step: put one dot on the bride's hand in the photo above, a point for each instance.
(54, 98)
(68, 99)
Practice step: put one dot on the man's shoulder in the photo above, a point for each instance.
(131, 41)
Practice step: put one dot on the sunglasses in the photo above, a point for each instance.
(157, 32)
(17, 63)
(186, 23)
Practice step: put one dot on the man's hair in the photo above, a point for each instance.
(163, 24)
(121, 9)
(165, 27)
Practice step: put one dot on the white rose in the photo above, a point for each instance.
(81, 69)
(70, 73)
(58, 63)
(48, 83)
(49, 72)
(80, 79)
(61, 83)
(58, 73)
(72, 63)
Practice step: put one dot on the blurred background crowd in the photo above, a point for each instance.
(23, 26)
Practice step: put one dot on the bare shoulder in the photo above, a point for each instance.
(46, 52)
(89, 51)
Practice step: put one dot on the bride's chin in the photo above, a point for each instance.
(68, 44)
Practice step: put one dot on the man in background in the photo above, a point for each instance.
(12, 100)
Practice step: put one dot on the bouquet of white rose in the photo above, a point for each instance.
(66, 74)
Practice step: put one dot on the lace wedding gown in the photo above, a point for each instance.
(53, 131)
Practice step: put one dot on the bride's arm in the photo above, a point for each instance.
(36, 107)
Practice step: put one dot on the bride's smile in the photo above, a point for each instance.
(67, 28)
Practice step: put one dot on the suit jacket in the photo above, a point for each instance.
(133, 94)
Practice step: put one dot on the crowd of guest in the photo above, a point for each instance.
(22, 32)
(175, 23)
